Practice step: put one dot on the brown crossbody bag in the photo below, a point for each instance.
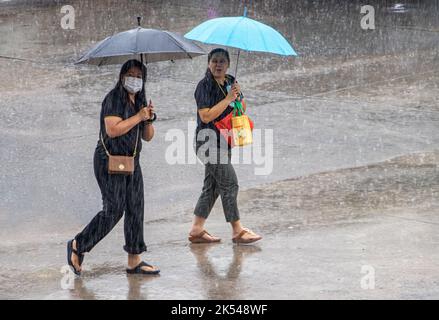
(121, 164)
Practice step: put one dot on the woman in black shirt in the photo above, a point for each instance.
(215, 96)
(124, 122)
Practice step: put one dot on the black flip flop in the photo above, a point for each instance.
(139, 270)
(70, 250)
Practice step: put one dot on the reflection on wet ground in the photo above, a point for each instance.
(219, 280)
(225, 286)
(216, 280)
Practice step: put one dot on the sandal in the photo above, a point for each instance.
(199, 238)
(238, 239)
(70, 250)
(139, 270)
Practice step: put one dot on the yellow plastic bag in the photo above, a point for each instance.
(242, 131)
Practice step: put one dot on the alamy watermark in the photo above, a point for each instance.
(68, 20)
(367, 282)
(181, 149)
(368, 20)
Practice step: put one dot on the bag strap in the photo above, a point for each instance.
(225, 95)
(238, 108)
(135, 148)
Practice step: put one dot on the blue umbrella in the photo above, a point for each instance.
(242, 33)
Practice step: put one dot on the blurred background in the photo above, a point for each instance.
(352, 98)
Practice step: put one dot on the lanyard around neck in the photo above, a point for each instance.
(225, 95)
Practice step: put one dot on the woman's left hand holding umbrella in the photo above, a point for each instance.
(147, 113)
(151, 110)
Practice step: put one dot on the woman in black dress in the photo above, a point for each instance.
(124, 123)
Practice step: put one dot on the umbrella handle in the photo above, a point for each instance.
(146, 73)
(237, 61)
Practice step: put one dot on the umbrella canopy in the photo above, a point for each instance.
(242, 33)
(149, 45)
(146, 45)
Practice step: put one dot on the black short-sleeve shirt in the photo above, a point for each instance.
(208, 94)
(123, 145)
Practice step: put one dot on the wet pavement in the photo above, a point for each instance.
(320, 232)
(330, 206)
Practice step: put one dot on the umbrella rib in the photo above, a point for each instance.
(231, 33)
(178, 44)
(104, 44)
(137, 43)
(101, 44)
(263, 38)
(247, 33)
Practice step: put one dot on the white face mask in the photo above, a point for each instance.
(132, 84)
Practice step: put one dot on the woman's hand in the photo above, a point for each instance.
(150, 109)
(144, 114)
(232, 94)
(147, 112)
(238, 88)
(148, 131)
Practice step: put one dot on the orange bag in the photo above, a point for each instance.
(237, 130)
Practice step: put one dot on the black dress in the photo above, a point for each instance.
(120, 193)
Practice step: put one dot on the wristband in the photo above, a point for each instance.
(154, 118)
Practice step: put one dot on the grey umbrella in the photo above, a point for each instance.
(150, 45)
(146, 45)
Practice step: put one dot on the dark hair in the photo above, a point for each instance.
(218, 50)
(122, 92)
